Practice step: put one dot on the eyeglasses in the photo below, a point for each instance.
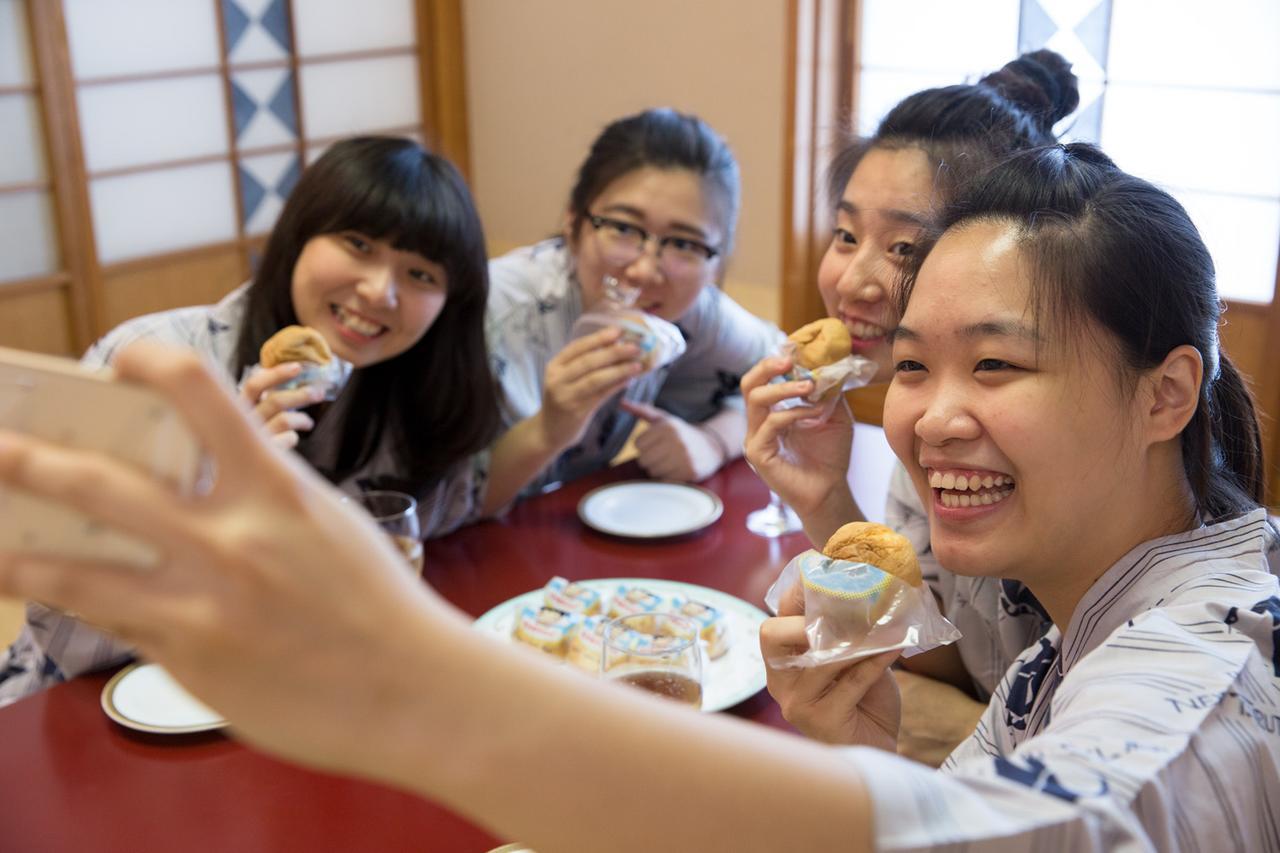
(623, 242)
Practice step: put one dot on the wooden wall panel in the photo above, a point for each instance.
(197, 277)
(37, 320)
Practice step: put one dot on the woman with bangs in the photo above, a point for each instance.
(1131, 458)
(379, 248)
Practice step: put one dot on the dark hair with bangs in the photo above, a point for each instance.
(1115, 252)
(436, 403)
(966, 128)
(664, 139)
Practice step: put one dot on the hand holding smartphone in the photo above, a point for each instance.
(58, 400)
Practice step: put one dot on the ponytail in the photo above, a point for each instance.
(1222, 447)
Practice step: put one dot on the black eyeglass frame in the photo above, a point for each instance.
(597, 222)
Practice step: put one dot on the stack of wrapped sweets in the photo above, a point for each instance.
(628, 600)
(546, 628)
(571, 597)
(712, 626)
(587, 646)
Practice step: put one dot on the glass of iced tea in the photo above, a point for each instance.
(657, 652)
(397, 514)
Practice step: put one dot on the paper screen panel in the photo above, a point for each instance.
(928, 35)
(1242, 236)
(265, 182)
(1229, 43)
(28, 241)
(1176, 136)
(328, 26)
(15, 44)
(342, 98)
(132, 124)
(21, 140)
(158, 211)
(112, 37)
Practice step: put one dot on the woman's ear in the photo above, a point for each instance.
(1175, 392)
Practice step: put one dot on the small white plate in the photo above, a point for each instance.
(642, 509)
(145, 697)
(736, 675)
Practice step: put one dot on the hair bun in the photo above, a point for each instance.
(1041, 83)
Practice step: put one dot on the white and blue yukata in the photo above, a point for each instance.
(534, 300)
(1151, 723)
(53, 647)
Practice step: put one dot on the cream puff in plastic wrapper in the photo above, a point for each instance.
(571, 597)
(863, 595)
(822, 352)
(587, 645)
(713, 628)
(546, 628)
(320, 367)
(628, 600)
(659, 341)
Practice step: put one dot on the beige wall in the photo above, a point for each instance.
(544, 76)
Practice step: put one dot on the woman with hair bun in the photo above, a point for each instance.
(885, 189)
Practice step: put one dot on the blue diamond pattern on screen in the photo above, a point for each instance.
(264, 108)
(1080, 30)
(256, 30)
(265, 182)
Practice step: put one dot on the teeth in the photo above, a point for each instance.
(356, 324)
(948, 481)
(988, 483)
(994, 488)
(860, 329)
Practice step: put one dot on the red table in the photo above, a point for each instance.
(74, 781)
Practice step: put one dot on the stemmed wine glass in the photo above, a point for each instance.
(774, 519)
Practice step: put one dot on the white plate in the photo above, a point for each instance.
(736, 675)
(145, 698)
(643, 509)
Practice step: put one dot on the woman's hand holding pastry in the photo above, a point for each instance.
(804, 464)
(278, 410)
(839, 703)
(588, 371)
(672, 448)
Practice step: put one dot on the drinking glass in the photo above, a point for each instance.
(397, 514)
(657, 652)
(774, 519)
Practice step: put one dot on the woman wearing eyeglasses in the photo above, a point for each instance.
(653, 207)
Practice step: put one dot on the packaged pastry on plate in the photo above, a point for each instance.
(635, 599)
(712, 625)
(822, 351)
(546, 628)
(863, 595)
(571, 597)
(320, 367)
(587, 644)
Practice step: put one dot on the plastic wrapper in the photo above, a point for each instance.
(854, 610)
(830, 381)
(659, 341)
(330, 377)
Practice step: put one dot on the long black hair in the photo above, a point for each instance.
(436, 403)
(665, 139)
(964, 129)
(1113, 251)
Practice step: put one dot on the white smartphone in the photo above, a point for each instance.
(58, 400)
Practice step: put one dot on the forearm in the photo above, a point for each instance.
(517, 457)
(560, 762)
(727, 429)
(836, 510)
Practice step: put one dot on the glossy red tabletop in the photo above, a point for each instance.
(75, 781)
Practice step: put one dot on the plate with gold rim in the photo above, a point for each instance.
(146, 698)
